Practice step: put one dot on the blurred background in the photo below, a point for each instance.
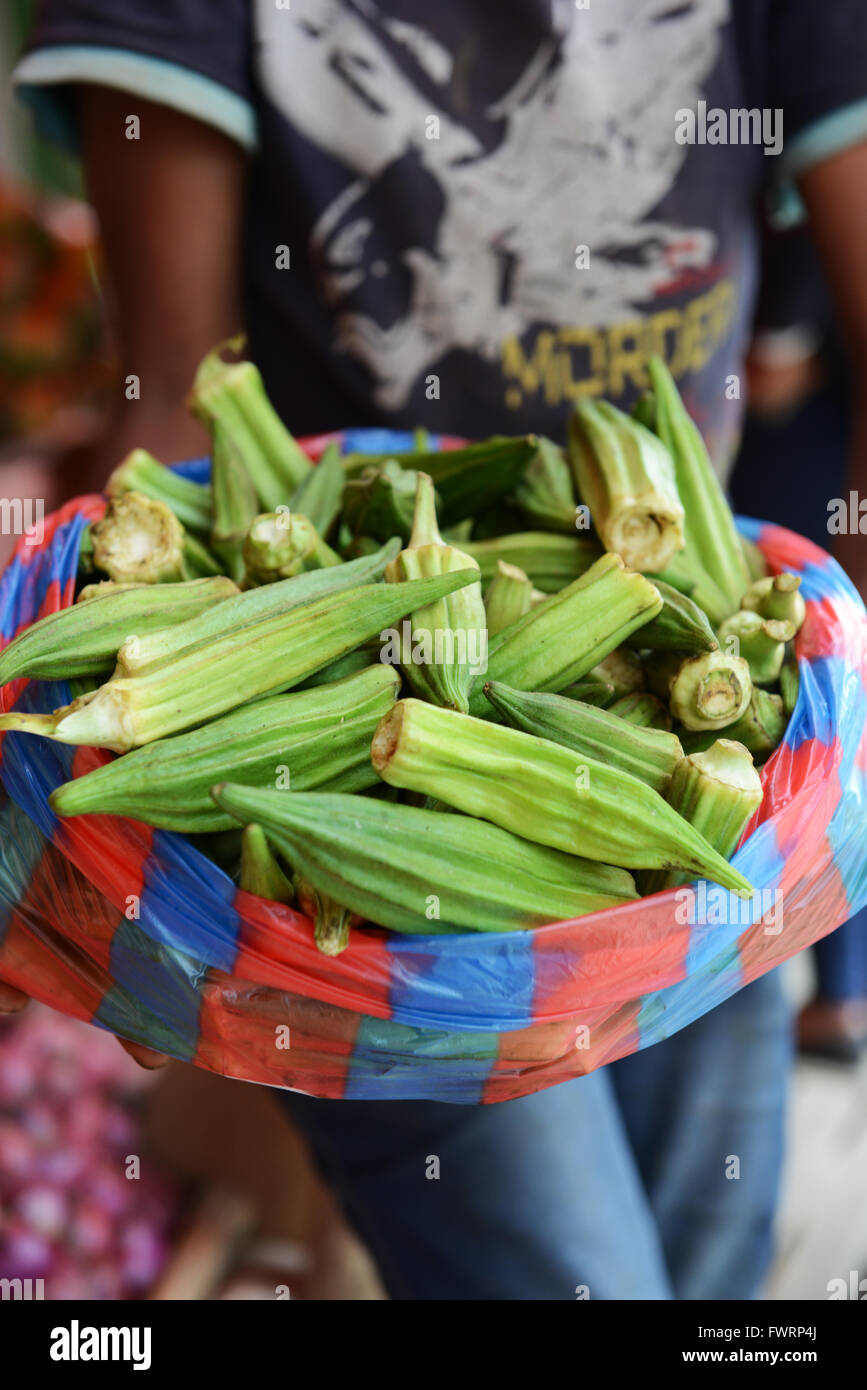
(116, 1183)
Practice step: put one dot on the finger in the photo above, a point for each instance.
(145, 1056)
(12, 1000)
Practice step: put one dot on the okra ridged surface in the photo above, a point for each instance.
(425, 872)
(541, 791)
(298, 741)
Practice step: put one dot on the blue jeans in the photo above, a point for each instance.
(614, 1183)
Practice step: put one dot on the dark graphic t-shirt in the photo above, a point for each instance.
(467, 214)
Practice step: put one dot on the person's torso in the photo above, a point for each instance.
(467, 215)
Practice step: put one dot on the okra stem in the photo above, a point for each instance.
(717, 792)
(710, 690)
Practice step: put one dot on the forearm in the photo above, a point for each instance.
(170, 212)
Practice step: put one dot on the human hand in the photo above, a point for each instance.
(13, 1001)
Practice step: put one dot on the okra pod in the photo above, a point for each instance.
(243, 610)
(83, 640)
(790, 681)
(760, 728)
(141, 472)
(232, 395)
(777, 597)
(760, 641)
(380, 502)
(599, 693)
(540, 790)
(681, 625)
(280, 545)
(293, 742)
(626, 476)
(545, 493)
(320, 494)
(757, 565)
(139, 541)
(716, 792)
(712, 544)
(199, 563)
(643, 709)
(551, 561)
(235, 504)
(260, 872)
(449, 636)
(508, 598)
(649, 754)
(710, 691)
(348, 665)
(107, 586)
(467, 480)
(214, 677)
(557, 643)
(426, 872)
(622, 669)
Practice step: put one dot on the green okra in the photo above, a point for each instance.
(348, 665)
(760, 641)
(101, 587)
(280, 545)
(83, 640)
(380, 502)
(559, 642)
(217, 676)
(540, 790)
(710, 690)
(551, 561)
(141, 541)
(467, 480)
(298, 741)
(81, 685)
(757, 565)
(235, 504)
(232, 395)
(777, 598)
(649, 754)
(509, 596)
(790, 681)
(319, 496)
(760, 728)
(712, 545)
(626, 476)
(85, 553)
(644, 410)
(426, 872)
(260, 872)
(622, 669)
(243, 610)
(717, 792)
(681, 625)
(141, 472)
(545, 493)
(643, 709)
(449, 635)
(592, 692)
(199, 563)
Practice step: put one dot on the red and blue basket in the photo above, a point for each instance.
(232, 983)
